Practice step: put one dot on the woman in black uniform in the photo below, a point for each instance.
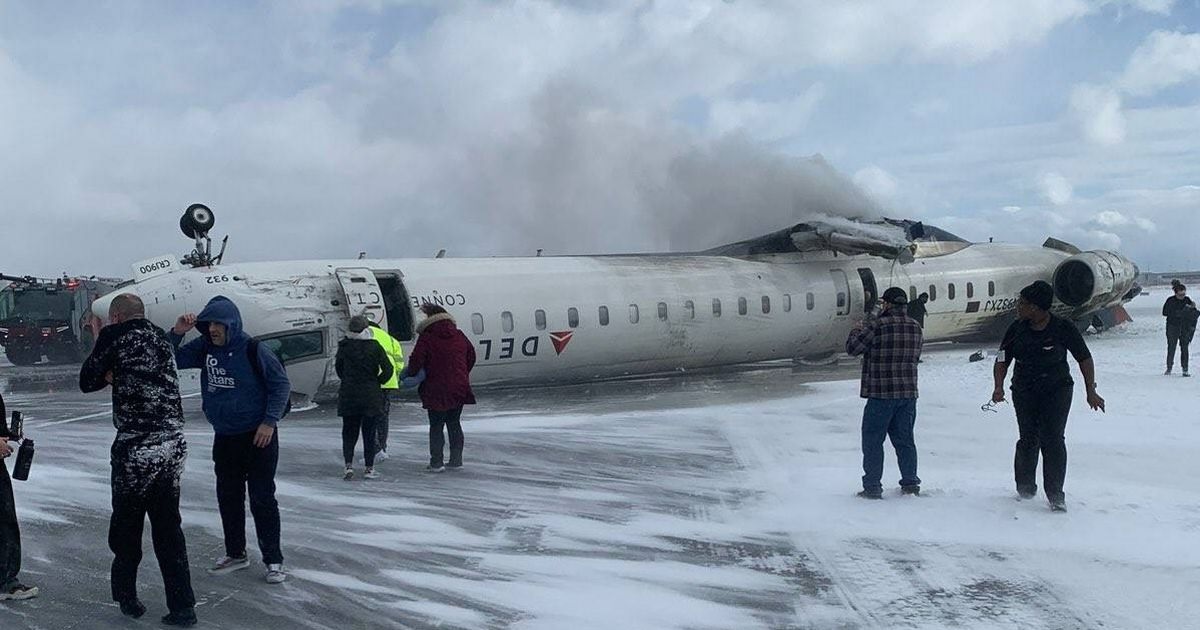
(1042, 387)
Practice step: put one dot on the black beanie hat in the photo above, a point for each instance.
(896, 296)
(1040, 294)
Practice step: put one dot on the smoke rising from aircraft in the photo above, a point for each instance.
(589, 178)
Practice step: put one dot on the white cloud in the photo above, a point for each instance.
(1114, 219)
(1011, 209)
(1097, 111)
(1165, 59)
(1056, 189)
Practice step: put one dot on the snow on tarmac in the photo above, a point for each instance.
(700, 502)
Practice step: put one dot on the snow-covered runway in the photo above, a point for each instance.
(698, 502)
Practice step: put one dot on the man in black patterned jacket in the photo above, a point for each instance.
(136, 358)
(889, 342)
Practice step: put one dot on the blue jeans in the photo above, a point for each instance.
(889, 418)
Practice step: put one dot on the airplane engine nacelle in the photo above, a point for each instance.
(1094, 280)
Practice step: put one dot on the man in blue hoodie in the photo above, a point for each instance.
(245, 393)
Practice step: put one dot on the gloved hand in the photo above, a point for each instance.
(414, 380)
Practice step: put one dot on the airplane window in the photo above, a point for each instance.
(477, 323)
(293, 347)
(662, 311)
(742, 308)
(716, 308)
(810, 301)
(970, 290)
(841, 300)
(690, 308)
(766, 304)
(991, 289)
(506, 321)
(539, 319)
(573, 317)
(950, 292)
(932, 292)
(603, 315)
(912, 293)
(787, 303)
(633, 314)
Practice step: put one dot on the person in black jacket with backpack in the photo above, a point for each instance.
(363, 367)
(1181, 314)
(10, 534)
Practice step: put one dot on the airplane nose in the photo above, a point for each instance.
(100, 305)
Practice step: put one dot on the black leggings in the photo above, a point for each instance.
(351, 427)
(1182, 337)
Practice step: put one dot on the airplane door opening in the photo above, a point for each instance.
(363, 295)
(396, 303)
(842, 287)
(870, 291)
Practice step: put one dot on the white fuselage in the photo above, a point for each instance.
(576, 318)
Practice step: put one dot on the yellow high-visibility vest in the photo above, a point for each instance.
(395, 354)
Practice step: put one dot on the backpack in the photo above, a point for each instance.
(252, 356)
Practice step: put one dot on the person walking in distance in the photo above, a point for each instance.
(889, 342)
(1181, 314)
(1042, 389)
(245, 393)
(395, 353)
(363, 367)
(445, 356)
(135, 357)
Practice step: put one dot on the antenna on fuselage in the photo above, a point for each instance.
(362, 255)
(539, 252)
(441, 253)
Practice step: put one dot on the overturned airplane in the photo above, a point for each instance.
(790, 294)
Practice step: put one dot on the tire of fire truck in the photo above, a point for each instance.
(22, 356)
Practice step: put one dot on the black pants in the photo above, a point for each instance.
(10, 533)
(240, 465)
(1182, 337)
(351, 427)
(382, 424)
(1042, 421)
(161, 504)
(451, 421)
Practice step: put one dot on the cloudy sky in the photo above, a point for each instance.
(321, 128)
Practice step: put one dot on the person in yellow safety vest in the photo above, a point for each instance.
(391, 347)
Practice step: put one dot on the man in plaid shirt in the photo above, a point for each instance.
(890, 345)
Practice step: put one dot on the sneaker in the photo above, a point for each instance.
(913, 490)
(435, 469)
(229, 565)
(381, 456)
(870, 494)
(1025, 496)
(1058, 505)
(1167, 373)
(1186, 375)
(133, 608)
(18, 592)
(370, 474)
(275, 574)
(348, 474)
(185, 618)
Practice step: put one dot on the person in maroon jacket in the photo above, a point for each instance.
(446, 357)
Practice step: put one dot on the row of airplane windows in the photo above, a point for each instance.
(689, 308)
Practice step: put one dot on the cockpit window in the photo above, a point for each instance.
(297, 346)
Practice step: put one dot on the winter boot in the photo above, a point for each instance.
(870, 494)
(913, 490)
(455, 459)
(185, 618)
(133, 608)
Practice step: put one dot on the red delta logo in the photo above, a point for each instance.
(560, 340)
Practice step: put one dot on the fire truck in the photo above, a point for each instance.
(48, 318)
